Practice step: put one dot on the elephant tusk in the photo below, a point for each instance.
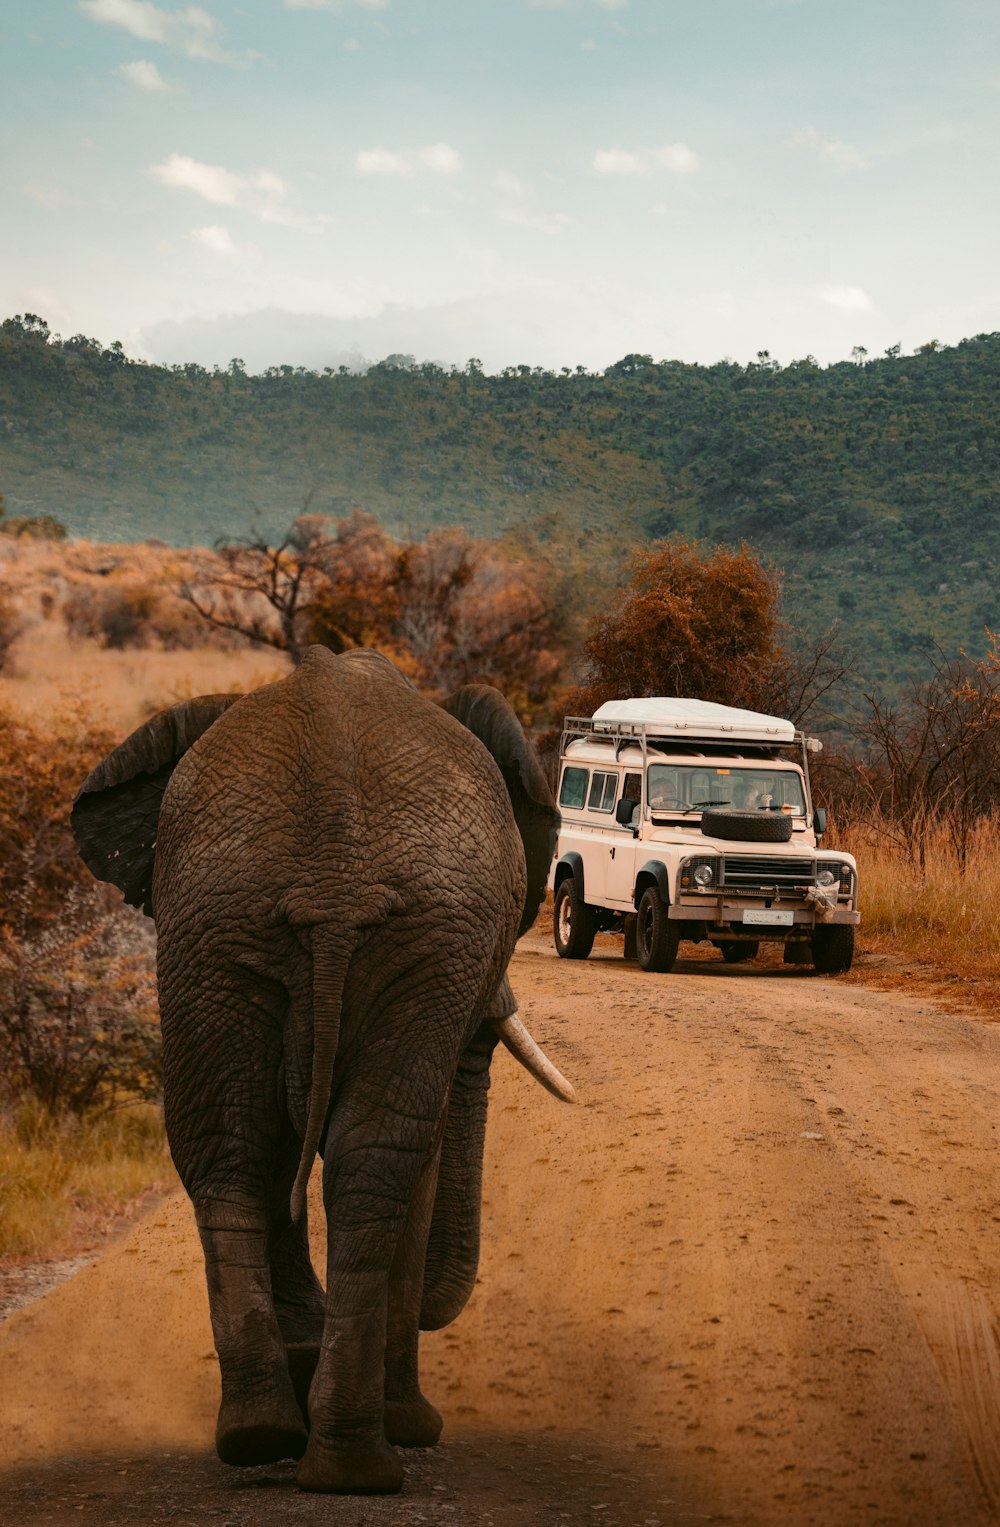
(523, 1048)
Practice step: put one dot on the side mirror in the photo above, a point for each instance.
(623, 813)
(819, 821)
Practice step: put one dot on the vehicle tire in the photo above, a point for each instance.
(735, 951)
(833, 948)
(747, 826)
(656, 937)
(574, 924)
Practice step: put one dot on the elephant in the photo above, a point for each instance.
(338, 869)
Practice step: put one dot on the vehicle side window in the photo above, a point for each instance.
(573, 792)
(632, 788)
(603, 791)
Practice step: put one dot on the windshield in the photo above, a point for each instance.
(692, 787)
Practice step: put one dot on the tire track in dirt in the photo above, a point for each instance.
(752, 1277)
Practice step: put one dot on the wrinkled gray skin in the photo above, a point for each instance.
(339, 881)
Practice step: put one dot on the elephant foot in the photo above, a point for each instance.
(359, 1466)
(302, 1359)
(412, 1423)
(247, 1435)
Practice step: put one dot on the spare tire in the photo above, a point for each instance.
(747, 826)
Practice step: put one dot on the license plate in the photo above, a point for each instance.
(766, 917)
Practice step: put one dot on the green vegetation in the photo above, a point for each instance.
(872, 483)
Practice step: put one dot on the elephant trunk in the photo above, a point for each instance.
(453, 1246)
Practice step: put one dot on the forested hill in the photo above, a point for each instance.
(874, 484)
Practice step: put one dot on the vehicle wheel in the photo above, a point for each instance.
(833, 948)
(656, 937)
(735, 951)
(574, 924)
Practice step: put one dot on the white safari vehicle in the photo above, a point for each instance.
(684, 819)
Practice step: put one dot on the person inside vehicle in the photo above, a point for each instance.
(663, 791)
(756, 795)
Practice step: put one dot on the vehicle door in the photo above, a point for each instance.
(602, 833)
(621, 864)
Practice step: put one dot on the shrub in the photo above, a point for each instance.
(42, 771)
(42, 527)
(11, 626)
(77, 1010)
(117, 616)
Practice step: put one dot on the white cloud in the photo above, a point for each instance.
(190, 29)
(849, 299)
(379, 161)
(44, 194)
(843, 156)
(215, 238)
(679, 158)
(145, 76)
(261, 193)
(440, 158)
(518, 205)
(616, 161)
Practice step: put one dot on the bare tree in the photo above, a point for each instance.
(933, 757)
(266, 592)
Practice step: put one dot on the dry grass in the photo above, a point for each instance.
(933, 927)
(65, 1181)
(47, 667)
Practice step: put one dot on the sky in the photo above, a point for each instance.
(542, 182)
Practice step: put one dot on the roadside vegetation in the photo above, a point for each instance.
(81, 1135)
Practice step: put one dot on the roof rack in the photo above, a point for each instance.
(584, 728)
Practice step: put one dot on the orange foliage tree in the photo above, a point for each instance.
(694, 623)
(704, 623)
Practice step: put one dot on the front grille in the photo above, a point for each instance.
(756, 872)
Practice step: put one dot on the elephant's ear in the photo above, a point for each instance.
(487, 714)
(117, 807)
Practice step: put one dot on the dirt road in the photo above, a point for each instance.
(753, 1277)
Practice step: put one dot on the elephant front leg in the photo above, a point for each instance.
(410, 1419)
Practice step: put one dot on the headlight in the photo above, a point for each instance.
(698, 874)
(826, 877)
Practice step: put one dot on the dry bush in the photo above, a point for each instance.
(76, 994)
(77, 1009)
(118, 615)
(11, 624)
(43, 769)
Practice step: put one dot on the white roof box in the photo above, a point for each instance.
(664, 716)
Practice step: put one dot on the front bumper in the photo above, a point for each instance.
(723, 913)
